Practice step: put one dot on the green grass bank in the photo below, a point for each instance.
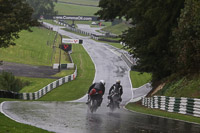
(116, 29)
(69, 9)
(34, 48)
(186, 86)
(84, 2)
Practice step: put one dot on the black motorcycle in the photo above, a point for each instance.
(94, 102)
(115, 100)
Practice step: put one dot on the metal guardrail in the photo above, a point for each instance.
(183, 105)
(128, 61)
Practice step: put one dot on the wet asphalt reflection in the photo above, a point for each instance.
(71, 117)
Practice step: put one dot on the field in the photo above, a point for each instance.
(84, 2)
(27, 53)
(31, 48)
(69, 9)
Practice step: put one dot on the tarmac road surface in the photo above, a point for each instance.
(73, 117)
(25, 70)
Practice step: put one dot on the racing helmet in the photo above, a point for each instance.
(118, 81)
(103, 82)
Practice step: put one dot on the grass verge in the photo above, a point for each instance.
(31, 48)
(9, 126)
(63, 73)
(15, 127)
(69, 9)
(35, 84)
(138, 79)
(137, 107)
(186, 86)
(116, 29)
(85, 2)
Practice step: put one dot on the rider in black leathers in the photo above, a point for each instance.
(97, 87)
(115, 87)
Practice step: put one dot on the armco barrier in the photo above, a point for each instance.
(69, 27)
(41, 92)
(128, 61)
(93, 36)
(189, 106)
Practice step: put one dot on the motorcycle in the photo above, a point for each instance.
(115, 100)
(94, 102)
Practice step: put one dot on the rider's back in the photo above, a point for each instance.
(116, 88)
(98, 86)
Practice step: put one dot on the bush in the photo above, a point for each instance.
(10, 83)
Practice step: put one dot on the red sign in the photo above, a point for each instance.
(66, 47)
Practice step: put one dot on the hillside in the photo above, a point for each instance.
(34, 48)
(81, 2)
(72, 9)
(186, 86)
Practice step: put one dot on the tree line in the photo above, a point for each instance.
(165, 36)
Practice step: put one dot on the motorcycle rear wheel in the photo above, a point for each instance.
(93, 105)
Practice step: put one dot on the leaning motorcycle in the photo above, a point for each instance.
(114, 101)
(94, 102)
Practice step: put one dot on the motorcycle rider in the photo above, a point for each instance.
(115, 88)
(96, 87)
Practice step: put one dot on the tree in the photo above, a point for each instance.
(149, 38)
(110, 9)
(187, 38)
(42, 7)
(15, 16)
(10, 83)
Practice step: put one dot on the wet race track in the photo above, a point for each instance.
(74, 117)
(70, 117)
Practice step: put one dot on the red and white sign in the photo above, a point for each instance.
(70, 41)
